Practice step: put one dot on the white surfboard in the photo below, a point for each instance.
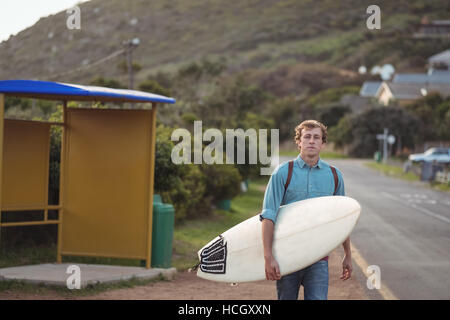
(305, 232)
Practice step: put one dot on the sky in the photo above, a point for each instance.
(17, 15)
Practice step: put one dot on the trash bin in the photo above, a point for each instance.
(162, 235)
(224, 204)
(157, 198)
(377, 156)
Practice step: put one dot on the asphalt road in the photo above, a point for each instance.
(404, 229)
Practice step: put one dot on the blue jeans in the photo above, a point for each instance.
(313, 278)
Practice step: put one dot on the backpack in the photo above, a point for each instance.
(291, 168)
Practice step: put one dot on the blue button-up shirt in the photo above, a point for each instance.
(306, 182)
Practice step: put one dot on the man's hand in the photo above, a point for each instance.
(272, 269)
(347, 267)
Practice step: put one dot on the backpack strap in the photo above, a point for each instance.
(291, 168)
(336, 179)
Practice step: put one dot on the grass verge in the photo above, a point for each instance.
(91, 289)
(393, 171)
(397, 172)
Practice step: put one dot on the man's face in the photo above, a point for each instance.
(311, 142)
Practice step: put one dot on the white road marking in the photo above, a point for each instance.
(426, 211)
(361, 262)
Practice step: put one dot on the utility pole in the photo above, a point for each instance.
(130, 45)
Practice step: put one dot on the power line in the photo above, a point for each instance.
(100, 61)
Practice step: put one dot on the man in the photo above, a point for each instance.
(311, 177)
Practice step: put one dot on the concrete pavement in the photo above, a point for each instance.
(56, 274)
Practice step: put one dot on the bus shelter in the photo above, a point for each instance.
(106, 169)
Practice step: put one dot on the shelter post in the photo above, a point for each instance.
(61, 180)
(152, 181)
(2, 113)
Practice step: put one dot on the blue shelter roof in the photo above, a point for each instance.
(74, 92)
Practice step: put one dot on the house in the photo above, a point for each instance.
(433, 29)
(407, 87)
(370, 88)
(424, 78)
(439, 62)
(405, 93)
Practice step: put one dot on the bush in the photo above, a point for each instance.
(330, 114)
(154, 87)
(188, 194)
(223, 181)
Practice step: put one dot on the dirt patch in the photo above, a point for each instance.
(187, 286)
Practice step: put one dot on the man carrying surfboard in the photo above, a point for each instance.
(305, 177)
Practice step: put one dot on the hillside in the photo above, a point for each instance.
(248, 34)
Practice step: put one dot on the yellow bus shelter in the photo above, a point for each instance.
(106, 171)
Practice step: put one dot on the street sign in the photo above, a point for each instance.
(391, 139)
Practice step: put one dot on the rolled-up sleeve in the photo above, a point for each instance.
(274, 194)
(341, 187)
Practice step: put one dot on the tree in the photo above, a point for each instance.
(359, 131)
(432, 110)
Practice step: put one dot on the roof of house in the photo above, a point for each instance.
(370, 88)
(435, 77)
(415, 90)
(442, 57)
(74, 92)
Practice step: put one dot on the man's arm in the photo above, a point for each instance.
(271, 265)
(272, 200)
(347, 267)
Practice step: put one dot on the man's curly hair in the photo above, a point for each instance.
(310, 124)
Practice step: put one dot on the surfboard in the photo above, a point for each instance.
(305, 232)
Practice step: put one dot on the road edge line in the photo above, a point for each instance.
(384, 291)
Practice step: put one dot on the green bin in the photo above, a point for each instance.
(377, 156)
(162, 235)
(157, 198)
(224, 204)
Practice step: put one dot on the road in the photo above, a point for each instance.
(404, 229)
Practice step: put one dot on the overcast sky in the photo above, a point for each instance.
(17, 15)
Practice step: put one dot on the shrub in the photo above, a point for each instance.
(223, 181)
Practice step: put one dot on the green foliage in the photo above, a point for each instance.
(359, 131)
(189, 118)
(332, 95)
(223, 181)
(434, 113)
(341, 134)
(28, 109)
(109, 83)
(195, 70)
(154, 87)
(188, 193)
(123, 66)
(330, 114)
(229, 103)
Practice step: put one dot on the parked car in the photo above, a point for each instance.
(440, 155)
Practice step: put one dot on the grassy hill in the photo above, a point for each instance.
(248, 63)
(249, 34)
